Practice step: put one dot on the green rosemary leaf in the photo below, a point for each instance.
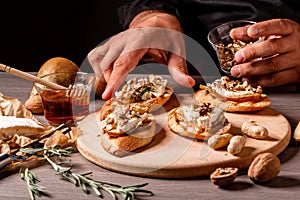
(110, 184)
(144, 191)
(57, 168)
(57, 151)
(69, 178)
(108, 190)
(136, 186)
(32, 186)
(21, 173)
(79, 180)
(36, 151)
(146, 89)
(129, 196)
(96, 189)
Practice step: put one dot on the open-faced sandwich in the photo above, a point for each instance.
(125, 120)
(125, 130)
(233, 95)
(198, 121)
(144, 94)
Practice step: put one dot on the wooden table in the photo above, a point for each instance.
(285, 99)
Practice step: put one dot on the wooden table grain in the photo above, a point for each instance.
(285, 99)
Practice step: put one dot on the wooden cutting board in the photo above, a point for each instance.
(173, 156)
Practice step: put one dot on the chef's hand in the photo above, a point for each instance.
(151, 33)
(280, 53)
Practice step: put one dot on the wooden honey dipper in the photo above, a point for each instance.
(31, 77)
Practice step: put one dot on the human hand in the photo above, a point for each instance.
(280, 53)
(151, 33)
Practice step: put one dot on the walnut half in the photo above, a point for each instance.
(224, 176)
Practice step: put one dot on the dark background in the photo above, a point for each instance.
(34, 31)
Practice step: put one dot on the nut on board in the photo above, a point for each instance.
(264, 167)
(252, 129)
(297, 133)
(224, 176)
(236, 144)
(218, 141)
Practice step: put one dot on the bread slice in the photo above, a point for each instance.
(231, 106)
(10, 125)
(127, 143)
(198, 121)
(125, 130)
(148, 105)
(137, 98)
(145, 94)
(233, 95)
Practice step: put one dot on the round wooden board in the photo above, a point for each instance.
(172, 156)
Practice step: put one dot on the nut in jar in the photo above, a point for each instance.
(225, 46)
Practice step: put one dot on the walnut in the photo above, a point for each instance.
(226, 53)
(264, 167)
(224, 176)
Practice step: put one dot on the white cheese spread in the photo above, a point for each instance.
(197, 117)
(233, 88)
(142, 89)
(124, 120)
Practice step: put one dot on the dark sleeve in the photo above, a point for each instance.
(131, 8)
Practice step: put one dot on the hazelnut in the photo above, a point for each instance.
(264, 167)
(224, 176)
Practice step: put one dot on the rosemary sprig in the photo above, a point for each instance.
(55, 151)
(82, 180)
(31, 179)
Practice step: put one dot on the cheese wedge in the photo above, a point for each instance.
(10, 125)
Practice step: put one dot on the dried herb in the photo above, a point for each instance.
(82, 180)
(31, 179)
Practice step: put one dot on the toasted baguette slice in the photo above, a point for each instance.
(143, 95)
(232, 106)
(126, 144)
(234, 90)
(125, 130)
(185, 127)
(10, 125)
(139, 106)
(233, 95)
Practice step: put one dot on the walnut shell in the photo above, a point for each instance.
(264, 167)
(224, 176)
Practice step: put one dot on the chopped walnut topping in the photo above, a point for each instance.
(226, 53)
(142, 89)
(123, 120)
(226, 87)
